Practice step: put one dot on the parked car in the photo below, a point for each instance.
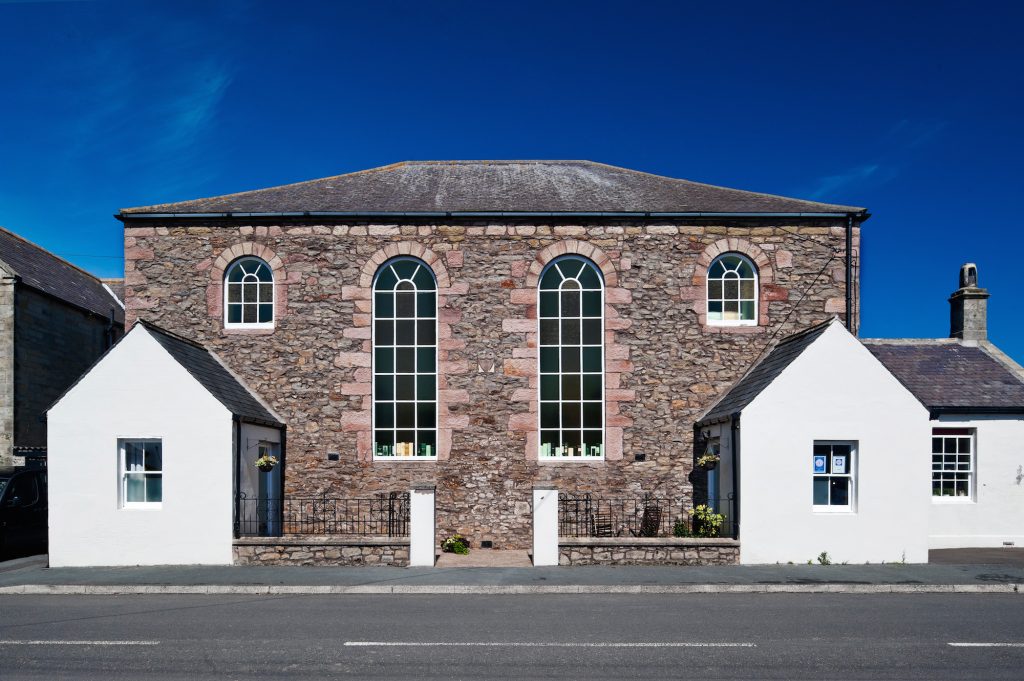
(23, 519)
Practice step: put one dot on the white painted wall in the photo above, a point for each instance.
(835, 390)
(996, 514)
(422, 530)
(139, 391)
(545, 527)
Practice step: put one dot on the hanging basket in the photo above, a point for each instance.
(265, 464)
(265, 467)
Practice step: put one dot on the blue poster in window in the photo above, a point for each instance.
(819, 464)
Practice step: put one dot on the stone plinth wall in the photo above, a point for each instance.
(322, 551)
(664, 364)
(648, 551)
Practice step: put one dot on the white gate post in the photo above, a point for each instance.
(545, 526)
(421, 526)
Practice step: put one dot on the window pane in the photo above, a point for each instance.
(133, 456)
(592, 387)
(249, 314)
(405, 442)
(135, 488)
(385, 415)
(731, 289)
(236, 273)
(426, 414)
(964, 445)
(384, 360)
(936, 445)
(385, 442)
(588, 277)
(714, 310)
(384, 305)
(384, 333)
(747, 310)
(548, 304)
(266, 293)
(425, 331)
(571, 415)
(572, 439)
(592, 415)
(404, 268)
(820, 491)
(250, 291)
(591, 303)
(424, 278)
(405, 331)
(153, 456)
(405, 415)
(570, 303)
(570, 387)
(384, 387)
(234, 293)
(548, 442)
(592, 332)
(405, 387)
(386, 280)
(549, 332)
(266, 313)
(425, 387)
(593, 444)
(840, 488)
(551, 279)
(405, 360)
(715, 289)
(548, 360)
(405, 304)
(426, 360)
(717, 270)
(747, 289)
(426, 305)
(549, 387)
(570, 359)
(548, 414)
(570, 332)
(592, 359)
(154, 488)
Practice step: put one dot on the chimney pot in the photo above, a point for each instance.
(968, 307)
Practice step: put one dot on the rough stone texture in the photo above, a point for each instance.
(7, 285)
(664, 366)
(321, 551)
(649, 552)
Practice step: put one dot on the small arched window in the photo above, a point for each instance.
(249, 294)
(732, 291)
(405, 360)
(571, 317)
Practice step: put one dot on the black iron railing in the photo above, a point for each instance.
(588, 515)
(385, 514)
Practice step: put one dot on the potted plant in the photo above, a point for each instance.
(708, 461)
(706, 523)
(455, 544)
(266, 463)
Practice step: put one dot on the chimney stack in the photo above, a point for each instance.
(968, 313)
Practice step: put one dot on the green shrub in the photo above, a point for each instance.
(681, 528)
(455, 544)
(706, 523)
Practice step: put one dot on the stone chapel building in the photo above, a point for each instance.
(488, 326)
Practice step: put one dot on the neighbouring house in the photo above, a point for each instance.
(873, 450)
(55, 320)
(147, 450)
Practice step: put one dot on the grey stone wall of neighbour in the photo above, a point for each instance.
(642, 551)
(54, 344)
(6, 369)
(664, 364)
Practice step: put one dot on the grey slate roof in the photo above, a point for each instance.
(760, 377)
(495, 187)
(947, 376)
(214, 376)
(44, 271)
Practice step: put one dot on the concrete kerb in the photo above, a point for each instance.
(503, 590)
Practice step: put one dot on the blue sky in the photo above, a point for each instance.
(910, 109)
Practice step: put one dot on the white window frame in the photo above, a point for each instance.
(123, 473)
(273, 296)
(582, 458)
(396, 458)
(851, 475)
(972, 462)
(757, 293)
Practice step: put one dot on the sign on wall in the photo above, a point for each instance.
(819, 464)
(839, 464)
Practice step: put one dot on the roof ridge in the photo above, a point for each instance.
(146, 324)
(51, 254)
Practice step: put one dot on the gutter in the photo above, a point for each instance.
(123, 217)
(935, 412)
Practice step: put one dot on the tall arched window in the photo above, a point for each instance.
(571, 316)
(249, 294)
(732, 290)
(405, 360)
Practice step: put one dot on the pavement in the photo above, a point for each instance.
(31, 576)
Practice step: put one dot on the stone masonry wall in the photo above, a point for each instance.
(321, 551)
(54, 344)
(650, 552)
(7, 285)
(664, 364)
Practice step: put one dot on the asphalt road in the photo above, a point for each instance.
(717, 636)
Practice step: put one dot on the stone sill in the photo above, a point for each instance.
(646, 541)
(323, 540)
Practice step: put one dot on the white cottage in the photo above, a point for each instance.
(146, 452)
(877, 450)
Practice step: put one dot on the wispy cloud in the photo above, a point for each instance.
(897, 143)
